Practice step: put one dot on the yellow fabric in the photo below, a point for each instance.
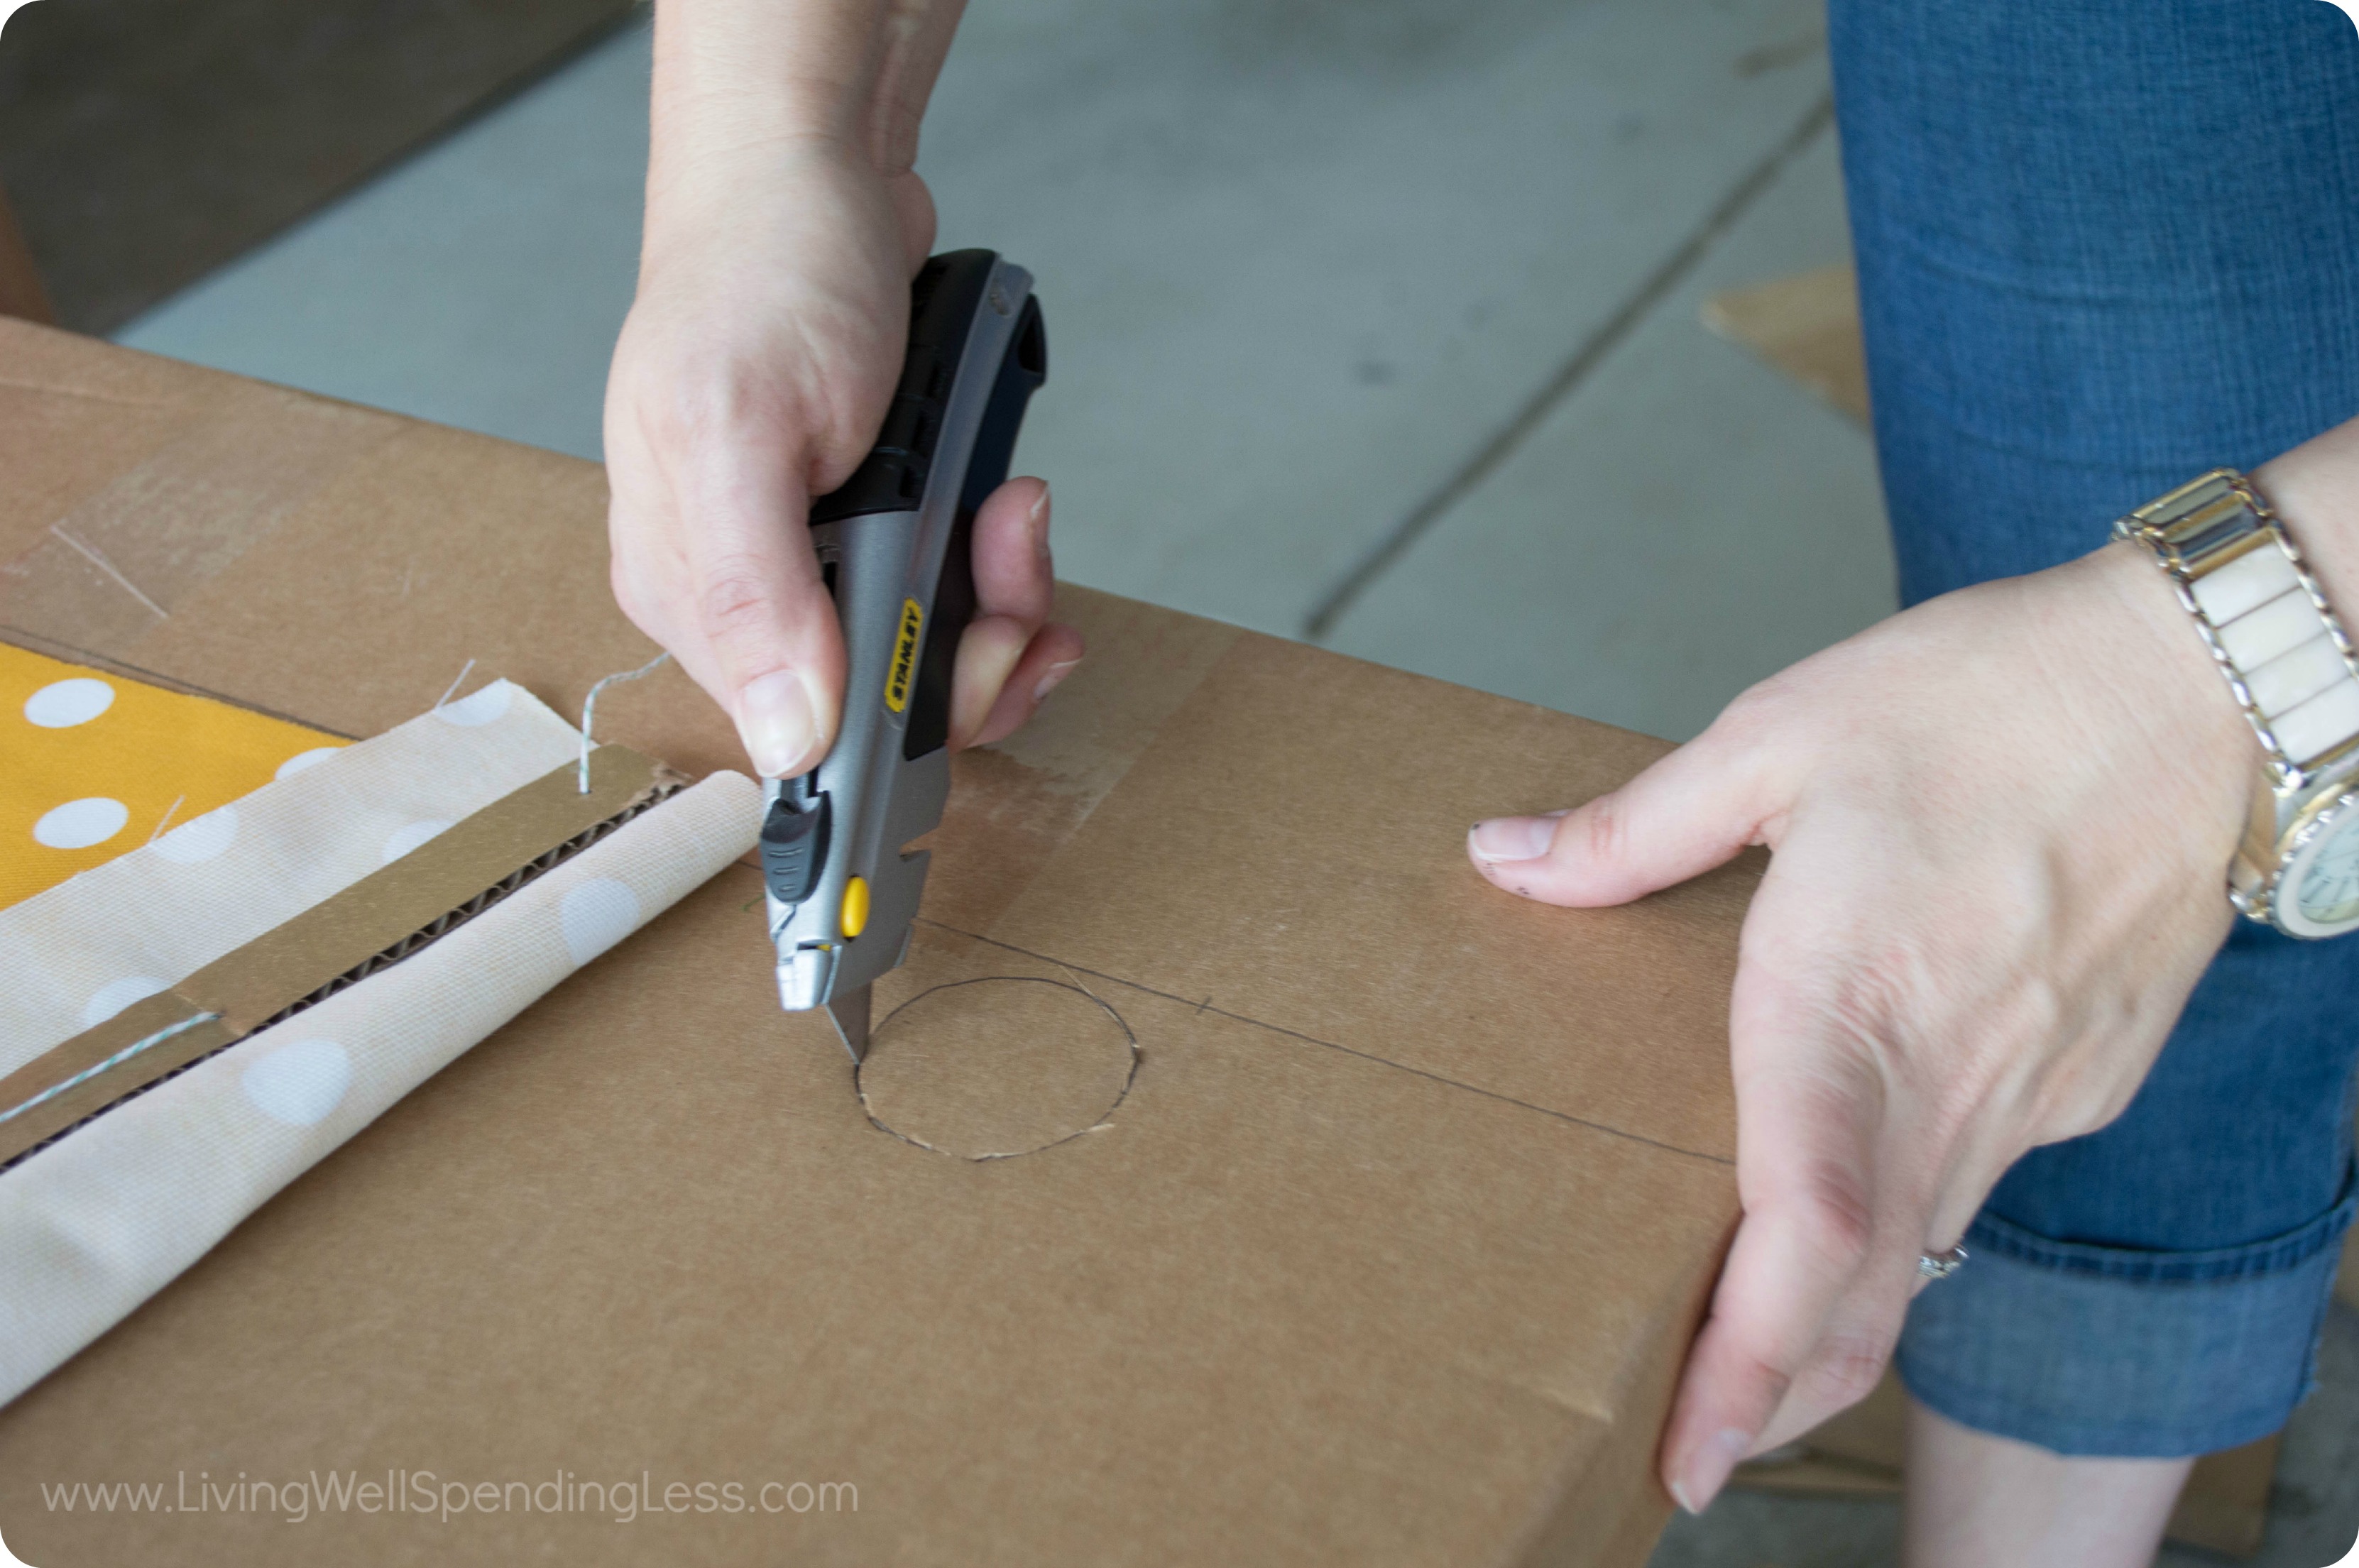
(93, 766)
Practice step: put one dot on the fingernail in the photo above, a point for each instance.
(1512, 838)
(774, 717)
(1040, 527)
(1709, 1468)
(1053, 677)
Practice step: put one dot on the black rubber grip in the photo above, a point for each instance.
(1021, 374)
(943, 298)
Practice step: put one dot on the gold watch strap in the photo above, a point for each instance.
(2285, 654)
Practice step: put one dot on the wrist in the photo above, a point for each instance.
(2260, 600)
(2161, 662)
(2314, 490)
(848, 77)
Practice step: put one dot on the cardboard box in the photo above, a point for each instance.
(1370, 1212)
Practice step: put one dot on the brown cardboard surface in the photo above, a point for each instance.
(1386, 1254)
(993, 1065)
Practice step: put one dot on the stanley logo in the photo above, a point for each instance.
(904, 668)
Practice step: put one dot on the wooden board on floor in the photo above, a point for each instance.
(1806, 325)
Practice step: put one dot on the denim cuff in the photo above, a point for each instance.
(2122, 1353)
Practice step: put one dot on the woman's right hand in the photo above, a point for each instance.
(752, 374)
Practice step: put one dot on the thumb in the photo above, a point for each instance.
(1691, 811)
(775, 648)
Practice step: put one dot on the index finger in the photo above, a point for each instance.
(1795, 1255)
(758, 601)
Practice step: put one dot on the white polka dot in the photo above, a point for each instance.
(404, 839)
(64, 703)
(477, 707)
(299, 1083)
(116, 995)
(78, 825)
(200, 838)
(303, 759)
(596, 915)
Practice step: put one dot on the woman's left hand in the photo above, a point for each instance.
(2000, 823)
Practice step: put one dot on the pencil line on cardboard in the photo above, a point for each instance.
(1206, 1005)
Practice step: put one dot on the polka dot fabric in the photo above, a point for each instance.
(91, 765)
(149, 914)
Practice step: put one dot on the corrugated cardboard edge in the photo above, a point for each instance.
(377, 920)
(1612, 1512)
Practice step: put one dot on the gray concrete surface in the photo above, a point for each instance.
(1304, 262)
(1684, 499)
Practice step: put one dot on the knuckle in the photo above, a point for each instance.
(1770, 1381)
(703, 397)
(1870, 991)
(737, 601)
(639, 595)
(1604, 836)
(1837, 1222)
(1848, 1367)
(1760, 711)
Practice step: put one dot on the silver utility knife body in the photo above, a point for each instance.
(895, 550)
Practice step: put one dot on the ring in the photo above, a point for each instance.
(1940, 1265)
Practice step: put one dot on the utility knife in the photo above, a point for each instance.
(894, 546)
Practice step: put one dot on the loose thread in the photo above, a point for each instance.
(166, 818)
(117, 1059)
(454, 686)
(589, 707)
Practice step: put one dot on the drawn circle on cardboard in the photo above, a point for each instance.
(994, 1068)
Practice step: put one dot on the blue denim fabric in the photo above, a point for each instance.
(2103, 247)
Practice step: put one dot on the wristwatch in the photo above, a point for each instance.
(2290, 667)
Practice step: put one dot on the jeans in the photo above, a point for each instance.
(2103, 247)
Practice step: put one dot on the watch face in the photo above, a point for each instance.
(2321, 884)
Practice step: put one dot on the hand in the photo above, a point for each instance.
(2000, 824)
(752, 374)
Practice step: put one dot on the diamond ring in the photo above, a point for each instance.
(1940, 1265)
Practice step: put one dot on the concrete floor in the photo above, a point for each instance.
(1371, 323)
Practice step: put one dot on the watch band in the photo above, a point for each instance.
(2287, 659)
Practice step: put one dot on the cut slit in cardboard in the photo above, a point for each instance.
(1388, 1253)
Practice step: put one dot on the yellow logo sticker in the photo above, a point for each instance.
(904, 670)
